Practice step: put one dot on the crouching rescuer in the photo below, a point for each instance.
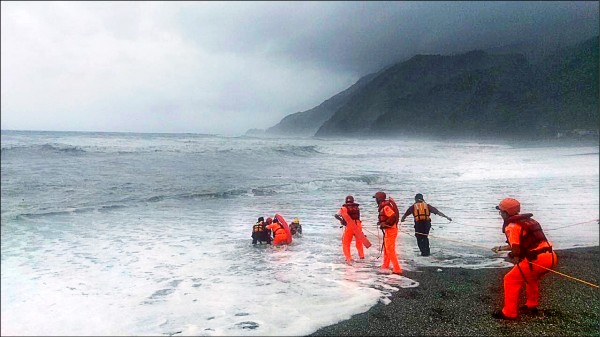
(533, 257)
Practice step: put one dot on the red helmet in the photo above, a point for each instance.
(510, 206)
(269, 220)
(379, 196)
(349, 199)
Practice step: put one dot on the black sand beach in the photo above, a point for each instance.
(459, 302)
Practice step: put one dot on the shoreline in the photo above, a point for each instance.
(459, 302)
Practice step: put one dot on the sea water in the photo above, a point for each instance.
(149, 234)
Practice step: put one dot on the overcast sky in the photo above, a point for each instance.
(225, 67)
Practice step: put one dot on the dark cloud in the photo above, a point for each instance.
(365, 36)
(225, 67)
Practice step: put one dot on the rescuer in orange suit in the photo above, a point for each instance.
(388, 222)
(532, 253)
(279, 233)
(354, 212)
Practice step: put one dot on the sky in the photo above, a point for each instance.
(226, 67)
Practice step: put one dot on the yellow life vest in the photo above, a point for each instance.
(421, 211)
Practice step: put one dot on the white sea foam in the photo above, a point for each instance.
(144, 235)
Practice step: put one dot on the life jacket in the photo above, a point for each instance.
(531, 235)
(421, 211)
(388, 221)
(277, 230)
(258, 227)
(353, 211)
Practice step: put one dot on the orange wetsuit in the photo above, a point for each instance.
(525, 272)
(390, 232)
(349, 234)
(279, 233)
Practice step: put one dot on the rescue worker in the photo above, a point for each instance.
(268, 231)
(388, 222)
(421, 212)
(354, 212)
(531, 251)
(296, 227)
(279, 233)
(257, 230)
(260, 233)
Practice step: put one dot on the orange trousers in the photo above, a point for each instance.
(389, 249)
(514, 279)
(347, 240)
(280, 240)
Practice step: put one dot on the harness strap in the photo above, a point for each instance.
(532, 255)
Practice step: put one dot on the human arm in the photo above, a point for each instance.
(498, 249)
(339, 217)
(438, 212)
(513, 236)
(384, 217)
(408, 212)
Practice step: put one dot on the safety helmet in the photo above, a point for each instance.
(269, 220)
(349, 199)
(296, 220)
(418, 197)
(510, 206)
(275, 220)
(380, 196)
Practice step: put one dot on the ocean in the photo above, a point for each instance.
(149, 234)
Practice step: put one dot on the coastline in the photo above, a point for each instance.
(459, 302)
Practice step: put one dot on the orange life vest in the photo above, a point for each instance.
(279, 228)
(389, 221)
(531, 235)
(421, 211)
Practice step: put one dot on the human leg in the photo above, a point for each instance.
(513, 281)
(536, 272)
(422, 234)
(346, 241)
(390, 247)
(360, 249)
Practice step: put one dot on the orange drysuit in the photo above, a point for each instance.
(525, 272)
(389, 237)
(279, 233)
(349, 234)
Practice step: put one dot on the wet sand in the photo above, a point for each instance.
(459, 302)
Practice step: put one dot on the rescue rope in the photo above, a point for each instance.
(575, 224)
(565, 275)
(462, 224)
(379, 242)
(550, 229)
(474, 245)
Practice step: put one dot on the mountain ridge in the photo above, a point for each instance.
(473, 94)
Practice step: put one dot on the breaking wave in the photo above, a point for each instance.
(44, 149)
